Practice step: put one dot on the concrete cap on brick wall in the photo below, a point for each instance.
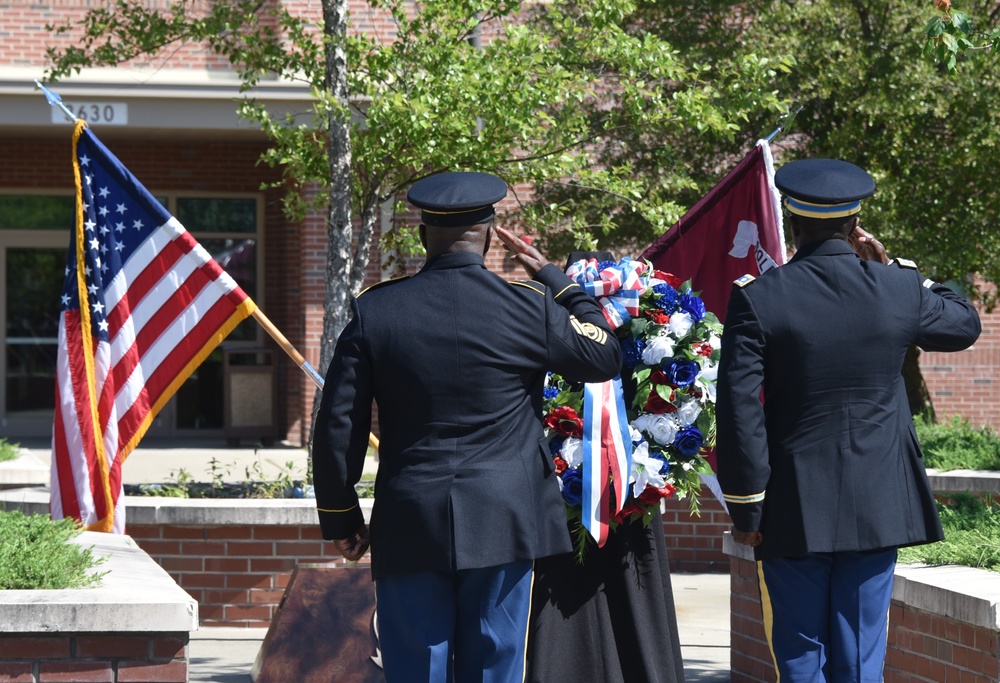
(134, 595)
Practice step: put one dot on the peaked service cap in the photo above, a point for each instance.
(457, 198)
(823, 188)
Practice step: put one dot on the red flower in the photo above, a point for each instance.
(657, 376)
(669, 278)
(560, 464)
(656, 404)
(651, 496)
(631, 508)
(565, 421)
(703, 349)
(658, 316)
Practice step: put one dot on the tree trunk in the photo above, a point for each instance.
(916, 388)
(339, 284)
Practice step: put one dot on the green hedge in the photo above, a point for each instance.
(972, 535)
(35, 553)
(956, 445)
(8, 450)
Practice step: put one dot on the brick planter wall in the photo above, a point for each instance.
(694, 542)
(133, 627)
(237, 572)
(944, 625)
(122, 657)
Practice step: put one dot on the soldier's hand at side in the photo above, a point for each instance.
(866, 246)
(750, 538)
(530, 258)
(354, 547)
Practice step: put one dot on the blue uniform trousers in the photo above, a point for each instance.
(468, 626)
(826, 615)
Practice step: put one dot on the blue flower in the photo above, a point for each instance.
(555, 444)
(665, 467)
(632, 351)
(681, 373)
(667, 297)
(572, 487)
(550, 393)
(689, 441)
(692, 305)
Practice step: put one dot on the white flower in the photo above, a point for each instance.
(687, 413)
(680, 323)
(572, 452)
(662, 428)
(657, 348)
(706, 380)
(715, 342)
(645, 470)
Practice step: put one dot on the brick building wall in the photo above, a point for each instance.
(965, 383)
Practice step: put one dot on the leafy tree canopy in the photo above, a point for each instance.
(929, 137)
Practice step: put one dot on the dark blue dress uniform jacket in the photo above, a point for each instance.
(830, 461)
(455, 357)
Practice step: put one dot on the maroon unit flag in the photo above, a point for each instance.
(143, 305)
(733, 231)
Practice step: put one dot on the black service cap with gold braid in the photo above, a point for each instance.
(823, 188)
(457, 198)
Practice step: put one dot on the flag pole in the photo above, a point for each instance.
(297, 357)
(785, 120)
(56, 101)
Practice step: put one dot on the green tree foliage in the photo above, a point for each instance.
(928, 137)
(580, 99)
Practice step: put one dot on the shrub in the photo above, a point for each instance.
(8, 450)
(972, 535)
(35, 553)
(956, 445)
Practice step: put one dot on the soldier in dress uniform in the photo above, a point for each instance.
(817, 455)
(466, 495)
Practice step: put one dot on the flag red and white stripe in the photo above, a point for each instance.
(143, 305)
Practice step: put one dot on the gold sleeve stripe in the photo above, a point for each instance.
(528, 286)
(753, 498)
(563, 290)
(345, 510)
(589, 330)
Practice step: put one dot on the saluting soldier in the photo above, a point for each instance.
(466, 496)
(817, 455)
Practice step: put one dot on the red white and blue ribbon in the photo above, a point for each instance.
(607, 455)
(617, 287)
(607, 444)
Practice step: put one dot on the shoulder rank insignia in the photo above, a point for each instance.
(589, 330)
(382, 283)
(744, 280)
(530, 284)
(928, 283)
(904, 263)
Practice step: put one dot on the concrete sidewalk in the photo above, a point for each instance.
(226, 655)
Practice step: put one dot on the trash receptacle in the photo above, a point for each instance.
(250, 407)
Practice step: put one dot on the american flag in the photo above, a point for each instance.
(143, 305)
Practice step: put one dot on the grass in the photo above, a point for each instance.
(956, 445)
(8, 450)
(35, 553)
(972, 535)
